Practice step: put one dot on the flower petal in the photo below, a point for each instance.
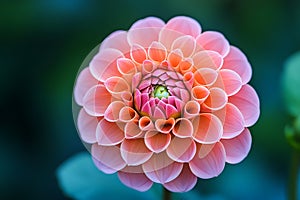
(183, 128)
(164, 126)
(104, 64)
(207, 59)
(191, 109)
(161, 169)
(211, 165)
(246, 100)
(112, 112)
(237, 148)
(116, 85)
(108, 133)
(157, 52)
(145, 123)
(233, 121)
(216, 99)
(185, 25)
(215, 41)
(84, 82)
(174, 57)
(128, 114)
(135, 152)
(138, 53)
(97, 100)
(126, 67)
(116, 40)
(156, 141)
(137, 181)
(230, 81)
(109, 158)
(87, 126)
(132, 130)
(186, 44)
(205, 76)
(199, 94)
(208, 128)
(181, 149)
(184, 182)
(237, 61)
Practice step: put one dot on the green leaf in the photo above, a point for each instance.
(291, 84)
(80, 179)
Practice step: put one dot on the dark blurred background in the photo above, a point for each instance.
(43, 43)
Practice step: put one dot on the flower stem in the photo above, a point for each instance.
(293, 180)
(166, 194)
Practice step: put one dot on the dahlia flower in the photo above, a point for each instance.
(166, 103)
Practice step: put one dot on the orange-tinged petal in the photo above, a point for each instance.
(156, 141)
(164, 126)
(116, 85)
(112, 112)
(174, 57)
(186, 43)
(138, 53)
(145, 123)
(205, 77)
(229, 81)
(191, 109)
(207, 59)
(108, 133)
(132, 130)
(157, 52)
(181, 149)
(199, 94)
(216, 99)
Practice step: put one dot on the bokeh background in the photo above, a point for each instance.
(43, 43)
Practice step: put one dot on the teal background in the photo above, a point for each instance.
(43, 43)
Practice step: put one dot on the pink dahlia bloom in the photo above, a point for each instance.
(166, 103)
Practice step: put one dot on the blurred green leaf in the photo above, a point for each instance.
(292, 136)
(291, 84)
(80, 179)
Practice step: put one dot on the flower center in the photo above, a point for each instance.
(161, 91)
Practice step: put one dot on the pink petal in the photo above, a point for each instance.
(215, 41)
(211, 165)
(216, 99)
(84, 82)
(108, 133)
(230, 81)
(109, 158)
(132, 130)
(237, 148)
(145, 31)
(138, 53)
(156, 141)
(246, 100)
(205, 76)
(158, 113)
(174, 57)
(157, 52)
(186, 44)
(135, 152)
(137, 181)
(186, 66)
(87, 126)
(207, 59)
(233, 121)
(191, 109)
(185, 25)
(188, 79)
(116, 40)
(128, 114)
(145, 123)
(181, 149)
(161, 169)
(199, 94)
(112, 112)
(183, 128)
(104, 64)
(164, 126)
(126, 67)
(184, 182)
(103, 167)
(237, 61)
(97, 100)
(127, 98)
(147, 67)
(208, 128)
(116, 85)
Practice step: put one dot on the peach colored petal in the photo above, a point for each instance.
(103, 167)
(188, 79)
(191, 109)
(207, 59)
(204, 149)
(116, 40)
(158, 113)
(185, 66)
(237, 61)
(145, 123)
(109, 157)
(199, 94)
(237, 148)
(132, 130)
(136, 80)
(137, 181)
(181, 149)
(164, 126)
(147, 67)
(116, 85)
(183, 128)
(128, 114)
(108, 133)
(216, 99)
(84, 82)
(127, 98)
(112, 112)
(230, 81)
(186, 43)
(156, 141)
(246, 100)
(208, 128)
(138, 53)
(135, 152)
(87, 126)
(127, 68)
(211, 165)
(157, 52)
(233, 121)
(174, 57)
(185, 25)
(104, 64)
(184, 182)
(161, 169)
(205, 76)
(215, 41)
(96, 100)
